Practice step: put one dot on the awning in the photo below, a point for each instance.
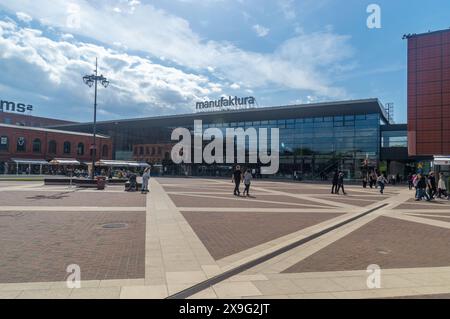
(64, 161)
(442, 160)
(29, 161)
(113, 163)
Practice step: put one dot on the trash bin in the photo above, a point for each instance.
(101, 182)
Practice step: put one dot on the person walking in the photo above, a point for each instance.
(341, 184)
(364, 180)
(145, 180)
(410, 181)
(382, 181)
(432, 187)
(247, 181)
(421, 188)
(442, 187)
(415, 182)
(236, 178)
(334, 182)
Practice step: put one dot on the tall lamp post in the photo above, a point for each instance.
(91, 80)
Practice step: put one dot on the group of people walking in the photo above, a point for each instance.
(244, 177)
(374, 180)
(338, 183)
(427, 188)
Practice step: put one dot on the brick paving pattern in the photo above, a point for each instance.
(387, 242)
(225, 234)
(38, 246)
(203, 201)
(71, 198)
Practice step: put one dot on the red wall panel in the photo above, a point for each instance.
(429, 64)
(429, 137)
(429, 88)
(429, 52)
(429, 148)
(428, 76)
(429, 124)
(429, 40)
(429, 100)
(429, 112)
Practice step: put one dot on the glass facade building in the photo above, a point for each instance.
(314, 139)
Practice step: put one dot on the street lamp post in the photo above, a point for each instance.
(91, 80)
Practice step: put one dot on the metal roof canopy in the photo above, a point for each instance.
(442, 160)
(64, 161)
(366, 106)
(50, 130)
(113, 163)
(29, 161)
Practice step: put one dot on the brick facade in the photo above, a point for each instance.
(46, 136)
(152, 153)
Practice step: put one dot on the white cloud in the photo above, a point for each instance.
(260, 30)
(24, 17)
(235, 86)
(287, 8)
(308, 62)
(54, 68)
(67, 36)
(304, 62)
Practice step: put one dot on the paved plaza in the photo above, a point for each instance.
(187, 231)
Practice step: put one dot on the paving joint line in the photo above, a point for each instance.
(239, 269)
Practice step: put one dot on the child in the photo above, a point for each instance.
(247, 182)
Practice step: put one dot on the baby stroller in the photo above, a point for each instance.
(132, 183)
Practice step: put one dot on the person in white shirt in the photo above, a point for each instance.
(247, 181)
(442, 188)
(145, 180)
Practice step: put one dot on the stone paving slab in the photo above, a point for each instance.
(176, 254)
(71, 198)
(443, 219)
(225, 234)
(355, 201)
(38, 246)
(242, 202)
(412, 204)
(387, 242)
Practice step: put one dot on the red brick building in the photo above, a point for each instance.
(41, 144)
(29, 120)
(429, 94)
(152, 153)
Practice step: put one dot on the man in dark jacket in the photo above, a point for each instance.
(341, 183)
(236, 178)
(422, 186)
(432, 185)
(334, 188)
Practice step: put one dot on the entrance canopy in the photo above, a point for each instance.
(64, 161)
(442, 160)
(29, 161)
(112, 163)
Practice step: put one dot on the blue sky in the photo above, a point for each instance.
(162, 56)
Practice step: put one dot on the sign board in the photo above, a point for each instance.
(3, 140)
(226, 103)
(7, 106)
